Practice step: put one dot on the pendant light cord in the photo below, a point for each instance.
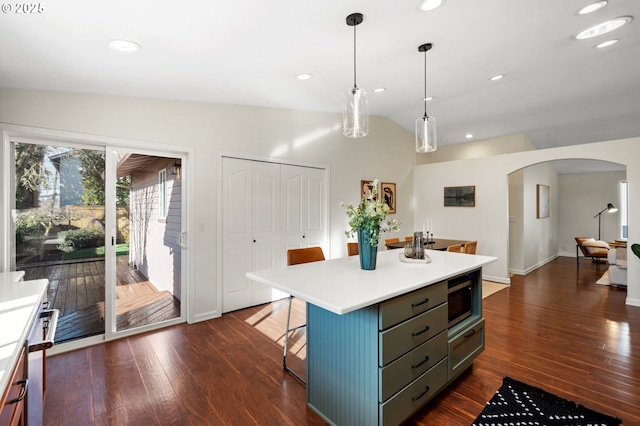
(355, 86)
(425, 85)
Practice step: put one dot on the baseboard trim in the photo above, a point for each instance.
(204, 317)
(500, 280)
(633, 302)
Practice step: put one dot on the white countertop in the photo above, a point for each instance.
(340, 286)
(19, 303)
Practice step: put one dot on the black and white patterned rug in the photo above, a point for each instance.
(518, 404)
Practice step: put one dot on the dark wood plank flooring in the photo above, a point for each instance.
(554, 328)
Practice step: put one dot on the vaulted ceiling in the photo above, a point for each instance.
(556, 90)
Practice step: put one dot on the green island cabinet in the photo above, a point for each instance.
(380, 364)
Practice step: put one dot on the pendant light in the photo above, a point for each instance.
(355, 112)
(426, 138)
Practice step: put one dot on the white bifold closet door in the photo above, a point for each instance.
(267, 209)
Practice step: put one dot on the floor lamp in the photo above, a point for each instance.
(609, 209)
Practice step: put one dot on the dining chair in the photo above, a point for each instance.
(391, 240)
(456, 248)
(470, 247)
(352, 249)
(297, 257)
(409, 238)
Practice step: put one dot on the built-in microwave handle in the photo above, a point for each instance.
(52, 323)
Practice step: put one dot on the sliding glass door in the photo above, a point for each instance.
(104, 226)
(146, 238)
(58, 223)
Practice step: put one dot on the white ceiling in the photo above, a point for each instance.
(557, 91)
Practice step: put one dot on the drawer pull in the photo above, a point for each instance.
(415, 398)
(415, 305)
(469, 334)
(417, 333)
(23, 393)
(414, 366)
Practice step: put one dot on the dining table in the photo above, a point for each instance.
(433, 244)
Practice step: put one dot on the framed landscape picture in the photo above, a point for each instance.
(388, 191)
(542, 201)
(459, 196)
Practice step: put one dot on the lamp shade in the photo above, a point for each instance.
(611, 208)
(355, 116)
(426, 138)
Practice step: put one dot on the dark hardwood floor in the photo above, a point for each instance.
(554, 329)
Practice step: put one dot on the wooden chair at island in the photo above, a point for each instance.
(296, 257)
(455, 248)
(470, 247)
(409, 238)
(391, 240)
(352, 249)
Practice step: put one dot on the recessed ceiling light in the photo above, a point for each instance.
(427, 5)
(497, 77)
(304, 76)
(429, 98)
(607, 43)
(592, 7)
(379, 89)
(603, 28)
(124, 45)
(468, 135)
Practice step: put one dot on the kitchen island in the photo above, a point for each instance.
(379, 343)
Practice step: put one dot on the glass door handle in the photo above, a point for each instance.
(182, 239)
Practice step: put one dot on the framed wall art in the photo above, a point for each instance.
(542, 201)
(459, 196)
(388, 191)
(365, 188)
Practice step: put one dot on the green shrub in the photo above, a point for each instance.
(79, 239)
(30, 224)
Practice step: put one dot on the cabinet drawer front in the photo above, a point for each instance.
(413, 397)
(13, 413)
(465, 347)
(404, 307)
(402, 338)
(402, 371)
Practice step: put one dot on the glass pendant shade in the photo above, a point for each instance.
(426, 138)
(355, 114)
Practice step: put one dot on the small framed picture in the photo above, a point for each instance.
(542, 201)
(388, 192)
(459, 196)
(365, 188)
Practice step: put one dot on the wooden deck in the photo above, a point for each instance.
(77, 289)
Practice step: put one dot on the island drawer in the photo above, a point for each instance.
(413, 397)
(464, 347)
(405, 369)
(404, 307)
(402, 338)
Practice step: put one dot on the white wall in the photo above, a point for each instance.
(388, 153)
(540, 234)
(533, 241)
(583, 196)
(516, 223)
(477, 149)
(488, 221)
